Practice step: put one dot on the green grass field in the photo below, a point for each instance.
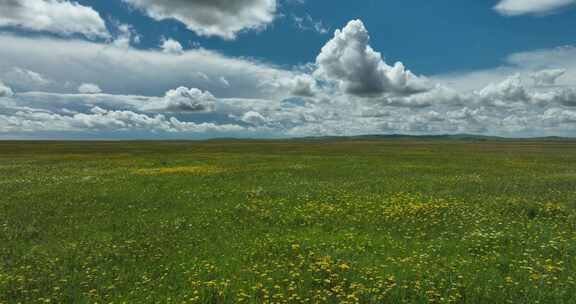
(389, 221)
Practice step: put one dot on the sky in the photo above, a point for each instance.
(194, 69)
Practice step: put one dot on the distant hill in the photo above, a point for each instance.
(459, 137)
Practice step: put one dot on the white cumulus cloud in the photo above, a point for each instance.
(509, 90)
(171, 46)
(223, 18)
(57, 16)
(183, 99)
(254, 118)
(89, 88)
(349, 60)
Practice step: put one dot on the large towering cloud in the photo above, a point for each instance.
(224, 18)
(359, 70)
(57, 16)
(525, 7)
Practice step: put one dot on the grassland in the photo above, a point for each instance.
(389, 221)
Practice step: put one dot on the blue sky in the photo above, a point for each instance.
(268, 68)
(434, 37)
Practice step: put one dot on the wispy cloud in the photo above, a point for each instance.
(307, 23)
(531, 7)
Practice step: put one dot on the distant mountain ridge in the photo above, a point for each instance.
(461, 137)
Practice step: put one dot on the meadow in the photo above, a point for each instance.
(317, 221)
